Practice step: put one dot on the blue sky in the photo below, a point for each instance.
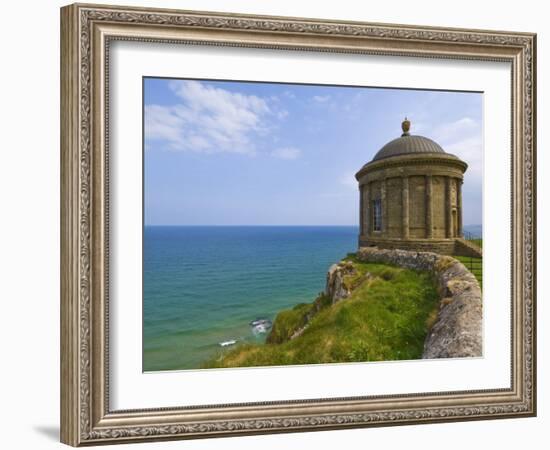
(238, 153)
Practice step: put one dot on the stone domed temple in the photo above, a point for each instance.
(411, 197)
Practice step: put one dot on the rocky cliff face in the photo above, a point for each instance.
(457, 332)
(336, 288)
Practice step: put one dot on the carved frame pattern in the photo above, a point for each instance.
(86, 418)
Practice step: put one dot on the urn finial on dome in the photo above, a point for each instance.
(406, 126)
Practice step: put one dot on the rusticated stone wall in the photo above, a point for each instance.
(441, 246)
(457, 246)
(457, 332)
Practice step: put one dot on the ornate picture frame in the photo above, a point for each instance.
(87, 31)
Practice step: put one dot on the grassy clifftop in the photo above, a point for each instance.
(386, 317)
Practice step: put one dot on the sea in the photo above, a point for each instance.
(203, 285)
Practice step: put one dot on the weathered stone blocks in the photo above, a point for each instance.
(336, 288)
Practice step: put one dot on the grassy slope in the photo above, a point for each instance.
(386, 318)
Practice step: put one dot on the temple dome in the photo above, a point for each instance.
(407, 144)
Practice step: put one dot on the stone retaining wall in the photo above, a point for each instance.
(467, 248)
(441, 246)
(455, 246)
(457, 331)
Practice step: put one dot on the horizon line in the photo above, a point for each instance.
(246, 225)
(266, 225)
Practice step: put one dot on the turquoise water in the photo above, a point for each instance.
(203, 285)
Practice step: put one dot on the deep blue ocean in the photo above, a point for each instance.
(203, 284)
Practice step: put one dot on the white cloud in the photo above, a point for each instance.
(282, 114)
(321, 98)
(456, 130)
(348, 180)
(209, 119)
(419, 128)
(161, 123)
(464, 139)
(288, 153)
(471, 151)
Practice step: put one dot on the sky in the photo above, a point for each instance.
(244, 153)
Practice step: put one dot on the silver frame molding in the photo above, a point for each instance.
(86, 32)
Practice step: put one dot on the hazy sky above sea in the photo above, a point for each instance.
(237, 153)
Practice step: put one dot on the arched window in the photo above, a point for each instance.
(377, 215)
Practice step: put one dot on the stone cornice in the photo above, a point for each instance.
(409, 160)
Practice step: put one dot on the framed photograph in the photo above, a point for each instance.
(276, 224)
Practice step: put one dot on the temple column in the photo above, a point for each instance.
(405, 207)
(459, 207)
(429, 207)
(361, 210)
(448, 207)
(384, 206)
(366, 211)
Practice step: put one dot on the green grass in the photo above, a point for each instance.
(474, 265)
(386, 318)
(288, 321)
